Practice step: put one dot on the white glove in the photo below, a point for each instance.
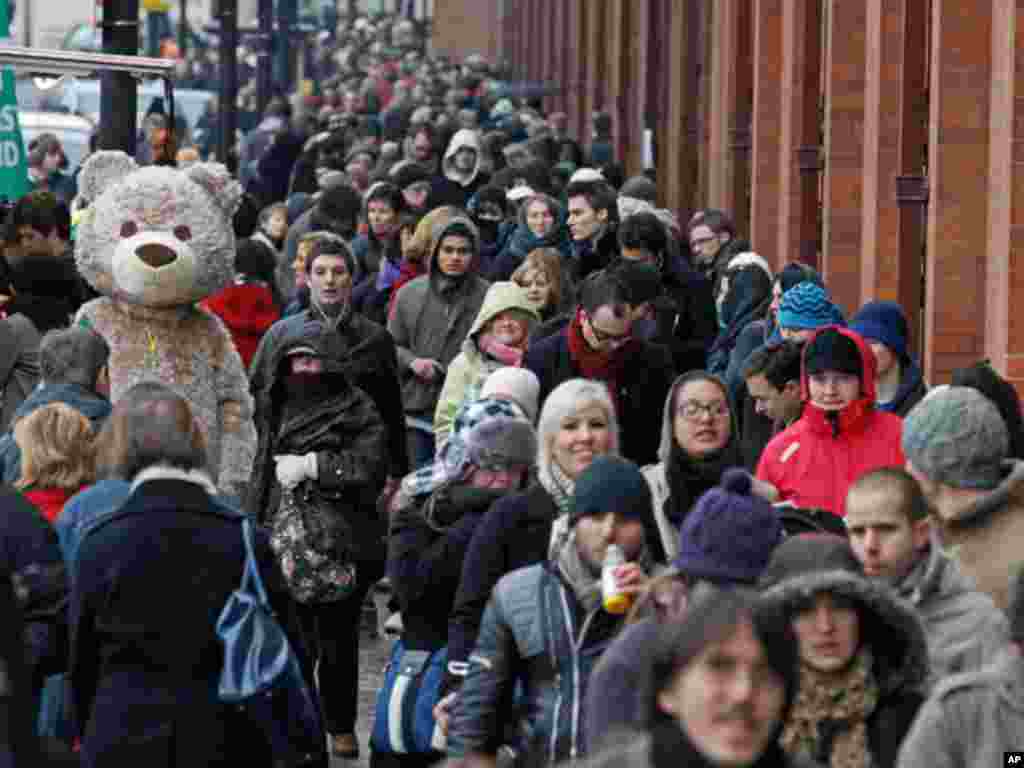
(292, 470)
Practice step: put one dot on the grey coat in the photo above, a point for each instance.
(971, 720)
(965, 630)
(429, 322)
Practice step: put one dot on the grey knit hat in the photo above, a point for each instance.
(957, 437)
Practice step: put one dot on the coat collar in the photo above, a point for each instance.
(166, 472)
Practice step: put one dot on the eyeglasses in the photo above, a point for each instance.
(697, 242)
(611, 339)
(692, 410)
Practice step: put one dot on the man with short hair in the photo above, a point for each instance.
(772, 374)
(593, 216)
(891, 534)
(431, 318)
(957, 448)
(599, 344)
(973, 720)
(713, 243)
(73, 370)
(337, 211)
(840, 434)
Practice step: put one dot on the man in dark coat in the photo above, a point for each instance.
(431, 317)
(685, 314)
(366, 351)
(145, 657)
(713, 243)
(599, 344)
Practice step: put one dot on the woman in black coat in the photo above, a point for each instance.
(151, 583)
(321, 427)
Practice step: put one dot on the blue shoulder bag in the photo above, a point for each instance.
(261, 673)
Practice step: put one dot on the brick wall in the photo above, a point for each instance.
(881, 140)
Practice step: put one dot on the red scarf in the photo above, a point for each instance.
(593, 364)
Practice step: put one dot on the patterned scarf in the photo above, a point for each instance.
(828, 722)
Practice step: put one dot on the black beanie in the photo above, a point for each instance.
(831, 350)
(611, 484)
(254, 259)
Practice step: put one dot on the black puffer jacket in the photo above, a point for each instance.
(345, 430)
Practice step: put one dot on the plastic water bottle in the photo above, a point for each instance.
(615, 601)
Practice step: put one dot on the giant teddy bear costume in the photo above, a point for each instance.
(154, 241)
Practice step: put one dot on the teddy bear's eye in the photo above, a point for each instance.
(183, 233)
(129, 228)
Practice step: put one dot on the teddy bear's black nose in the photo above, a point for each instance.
(155, 255)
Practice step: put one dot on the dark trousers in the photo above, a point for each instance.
(331, 632)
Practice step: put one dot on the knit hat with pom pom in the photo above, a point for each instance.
(729, 535)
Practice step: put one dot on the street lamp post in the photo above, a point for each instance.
(229, 80)
(118, 94)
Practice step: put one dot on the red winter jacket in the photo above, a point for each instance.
(814, 468)
(248, 310)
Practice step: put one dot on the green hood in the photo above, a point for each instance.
(502, 297)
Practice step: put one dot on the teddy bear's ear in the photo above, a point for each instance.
(100, 171)
(217, 181)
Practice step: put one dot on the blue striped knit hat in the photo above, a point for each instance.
(806, 306)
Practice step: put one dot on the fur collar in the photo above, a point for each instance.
(896, 634)
(167, 472)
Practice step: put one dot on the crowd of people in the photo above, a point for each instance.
(490, 365)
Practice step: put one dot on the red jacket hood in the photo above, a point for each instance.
(248, 307)
(855, 412)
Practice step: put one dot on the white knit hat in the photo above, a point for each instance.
(519, 385)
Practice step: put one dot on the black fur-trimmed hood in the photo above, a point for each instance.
(889, 623)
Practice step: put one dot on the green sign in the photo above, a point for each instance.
(13, 162)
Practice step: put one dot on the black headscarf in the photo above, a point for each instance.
(688, 477)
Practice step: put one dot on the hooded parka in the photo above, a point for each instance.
(814, 461)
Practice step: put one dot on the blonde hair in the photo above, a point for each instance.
(548, 261)
(56, 444)
(568, 398)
